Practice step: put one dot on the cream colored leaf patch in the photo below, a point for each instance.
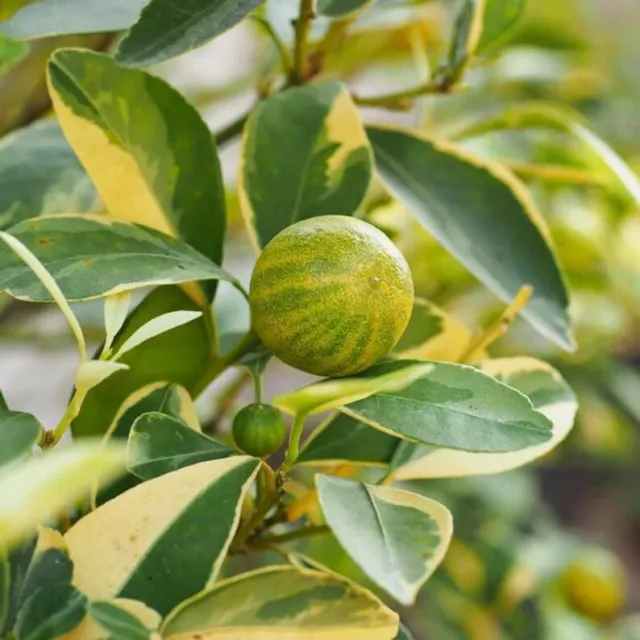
(282, 602)
(172, 535)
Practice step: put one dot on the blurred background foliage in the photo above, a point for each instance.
(546, 552)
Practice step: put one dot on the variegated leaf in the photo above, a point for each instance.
(173, 534)
(397, 537)
(137, 157)
(321, 165)
(280, 602)
(93, 256)
(549, 394)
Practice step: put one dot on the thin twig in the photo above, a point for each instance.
(302, 25)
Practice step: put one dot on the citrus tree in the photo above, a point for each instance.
(149, 525)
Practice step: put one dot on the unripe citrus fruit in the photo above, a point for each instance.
(331, 295)
(595, 584)
(259, 430)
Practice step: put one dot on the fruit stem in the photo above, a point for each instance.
(294, 442)
(257, 387)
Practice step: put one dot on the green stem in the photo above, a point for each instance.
(258, 387)
(283, 51)
(267, 542)
(232, 130)
(51, 438)
(268, 498)
(301, 48)
(397, 98)
(294, 442)
(222, 364)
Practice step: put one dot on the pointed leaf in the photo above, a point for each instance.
(467, 32)
(139, 162)
(549, 394)
(173, 534)
(339, 8)
(41, 488)
(483, 216)
(321, 166)
(40, 175)
(92, 256)
(500, 16)
(3, 403)
(118, 622)
(51, 612)
(19, 434)
(166, 30)
(455, 406)
(116, 309)
(329, 394)
(397, 537)
(40, 18)
(180, 356)
(167, 399)
(91, 374)
(282, 601)
(345, 439)
(159, 444)
(156, 327)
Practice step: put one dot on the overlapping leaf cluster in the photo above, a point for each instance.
(160, 509)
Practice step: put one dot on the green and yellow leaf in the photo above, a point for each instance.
(344, 439)
(159, 444)
(93, 256)
(321, 165)
(164, 30)
(40, 489)
(483, 215)
(282, 602)
(136, 157)
(550, 396)
(397, 537)
(329, 394)
(456, 406)
(180, 357)
(172, 536)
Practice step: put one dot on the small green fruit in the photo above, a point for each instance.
(259, 430)
(331, 295)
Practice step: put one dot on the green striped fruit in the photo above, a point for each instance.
(259, 430)
(331, 295)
